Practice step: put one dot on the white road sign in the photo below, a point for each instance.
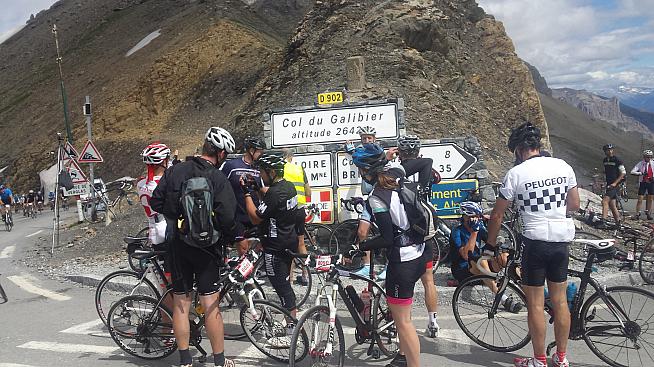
(348, 173)
(78, 189)
(318, 167)
(450, 160)
(76, 173)
(332, 125)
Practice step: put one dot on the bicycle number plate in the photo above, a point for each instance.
(630, 256)
(245, 267)
(323, 262)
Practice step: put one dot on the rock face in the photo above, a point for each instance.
(225, 62)
(539, 81)
(601, 108)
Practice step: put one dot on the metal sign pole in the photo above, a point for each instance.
(89, 134)
(56, 219)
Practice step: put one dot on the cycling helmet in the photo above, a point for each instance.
(31, 191)
(366, 130)
(407, 143)
(526, 134)
(155, 153)
(648, 153)
(269, 161)
(471, 209)
(370, 157)
(608, 146)
(221, 139)
(254, 142)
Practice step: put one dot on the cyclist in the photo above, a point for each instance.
(408, 149)
(614, 172)
(30, 201)
(234, 169)
(51, 199)
(368, 135)
(6, 198)
(468, 239)
(645, 173)
(276, 217)
(405, 250)
(192, 263)
(39, 200)
(295, 174)
(545, 189)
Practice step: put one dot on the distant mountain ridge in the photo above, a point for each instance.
(641, 98)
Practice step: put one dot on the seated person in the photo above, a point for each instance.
(468, 239)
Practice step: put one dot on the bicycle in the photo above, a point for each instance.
(316, 235)
(8, 218)
(322, 325)
(346, 232)
(595, 319)
(115, 200)
(3, 295)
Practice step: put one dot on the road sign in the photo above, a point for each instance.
(75, 172)
(324, 200)
(78, 189)
(69, 150)
(318, 167)
(332, 125)
(345, 193)
(330, 98)
(446, 196)
(348, 173)
(450, 160)
(90, 154)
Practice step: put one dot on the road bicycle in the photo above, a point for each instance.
(316, 235)
(117, 199)
(322, 326)
(3, 295)
(613, 321)
(30, 211)
(8, 218)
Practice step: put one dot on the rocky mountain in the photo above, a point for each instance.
(641, 98)
(539, 81)
(601, 108)
(212, 62)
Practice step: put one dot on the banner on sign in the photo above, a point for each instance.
(78, 189)
(332, 125)
(318, 168)
(323, 198)
(346, 193)
(447, 196)
(348, 173)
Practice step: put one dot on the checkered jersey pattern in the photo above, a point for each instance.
(543, 199)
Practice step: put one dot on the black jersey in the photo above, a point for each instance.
(278, 210)
(612, 169)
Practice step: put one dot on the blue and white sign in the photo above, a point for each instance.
(448, 195)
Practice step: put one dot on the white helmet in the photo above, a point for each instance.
(155, 153)
(221, 139)
(648, 153)
(367, 130)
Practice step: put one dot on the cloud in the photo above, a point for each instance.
(14, 14)
(580, 44)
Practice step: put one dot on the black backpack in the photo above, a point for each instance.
(196, 202)
(421, 214)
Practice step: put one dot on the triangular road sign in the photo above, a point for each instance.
(69, 150)
(76, 173)
(90, 154)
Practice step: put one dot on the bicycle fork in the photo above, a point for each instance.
(331, 329)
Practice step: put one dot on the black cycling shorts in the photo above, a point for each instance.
(461, 274)
(611, 192)
(544, 260)
(401, 278)
(299, 222)
(646, 187)
(278, 270)
(194, 265)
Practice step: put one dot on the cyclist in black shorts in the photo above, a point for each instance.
(645, 172)
(545, 189)
(405, 250)
(192, 264)
(614, 172)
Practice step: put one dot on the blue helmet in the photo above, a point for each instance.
(471, 209)
(370, 157)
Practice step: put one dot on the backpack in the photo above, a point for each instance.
(421, 214)
(196, 203)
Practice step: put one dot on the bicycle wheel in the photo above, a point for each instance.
(631, 345)
(120, 284)
(387, 339)
(126, 202)
(301, 281)
(231, 304)
(504, 331)
(316, 239)
(314, 326)
(509, 236)
(269, 330)
(142, 329)
(578, 251)
(3, 295)
(343, 236)
(646, 263)
(8, 223)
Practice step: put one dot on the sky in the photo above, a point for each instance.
(582, 44)
(15, 13)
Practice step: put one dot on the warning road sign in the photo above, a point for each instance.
(76, 173)
(90, 154)
(69, 151)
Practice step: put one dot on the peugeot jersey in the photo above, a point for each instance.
(540, 186)
(233, 170)
(156, 221)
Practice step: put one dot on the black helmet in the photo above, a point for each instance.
(408, 143)
(254, 142)
(526, 135)
(607, 147)
(269, 162)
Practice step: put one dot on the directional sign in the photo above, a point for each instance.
(447, 196)
(90, 154)
(348, 173)
(450, 160)
(323, 198)
(78, 189)
(318, 167)
(76, 173)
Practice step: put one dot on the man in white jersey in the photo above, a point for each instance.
(544, 189)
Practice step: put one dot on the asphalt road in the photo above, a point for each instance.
(53, 323)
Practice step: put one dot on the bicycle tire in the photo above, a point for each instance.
(140, 265)
(473, 292)
(345, 235)
(577, 250)
(137, 318)
(302, 291)
(646, 263)
(630, 325)
(388, 340)
(266, 329)
(3, 295)
(308, 325)
(316, 238)
(117, 285)
(230, 305)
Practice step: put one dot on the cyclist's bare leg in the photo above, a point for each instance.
(536, 317)
(409, 343)
(431, 295)
(639, 204)
(558, 296)
(605, 207)
(214, 322)
(362, 234)
(181, 326)
(484, 264)
(648, 204)
(614, 210)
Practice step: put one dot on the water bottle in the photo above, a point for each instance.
(570, 292)
(365, 298)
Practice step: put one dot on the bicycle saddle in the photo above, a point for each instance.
(134, 240)
(597, 244)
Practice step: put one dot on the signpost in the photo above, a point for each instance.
(318, 167)
(448, 195)
(450, 160)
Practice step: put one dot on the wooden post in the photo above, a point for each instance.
(356, 73)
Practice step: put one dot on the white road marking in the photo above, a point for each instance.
(34, 234)
(454, 335)
(14, 365)
(27, 286)
(68, 348)
(8, 251)
(87, 328)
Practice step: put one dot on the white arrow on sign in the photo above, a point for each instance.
(450, 160)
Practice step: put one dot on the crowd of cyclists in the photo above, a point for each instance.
(30, 203)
